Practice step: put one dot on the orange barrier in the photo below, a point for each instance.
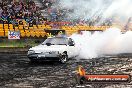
(32, 33)
(38, 30)
(22, 34)
(1, 33)
(6, 33)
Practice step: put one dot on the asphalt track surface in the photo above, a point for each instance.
(17, 72)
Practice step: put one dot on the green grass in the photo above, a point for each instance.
(15, 43)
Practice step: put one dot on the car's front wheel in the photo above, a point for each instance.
(32, 61)
(64, 58)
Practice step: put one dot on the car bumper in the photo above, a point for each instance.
(45, 57)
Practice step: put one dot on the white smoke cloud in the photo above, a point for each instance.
(121, 8)
(111, 41)
(84, 9)
(91, 9)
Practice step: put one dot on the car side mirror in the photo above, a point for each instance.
(71, 44)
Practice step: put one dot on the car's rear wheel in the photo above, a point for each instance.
(64, 58)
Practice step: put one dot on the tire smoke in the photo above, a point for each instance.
(111, 41)
(117, 10)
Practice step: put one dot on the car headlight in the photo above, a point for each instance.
(31, 52)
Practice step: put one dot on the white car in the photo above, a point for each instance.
(54, 49)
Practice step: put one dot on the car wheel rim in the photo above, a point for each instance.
(63, 59)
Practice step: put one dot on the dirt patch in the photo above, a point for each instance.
(17, 72)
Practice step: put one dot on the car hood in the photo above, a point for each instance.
(45, 48)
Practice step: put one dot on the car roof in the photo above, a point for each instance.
(57, 37)
(60, 36)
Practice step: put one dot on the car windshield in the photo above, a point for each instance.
(56, 41)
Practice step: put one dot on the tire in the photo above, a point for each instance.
(32, 61)
(64, 58)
